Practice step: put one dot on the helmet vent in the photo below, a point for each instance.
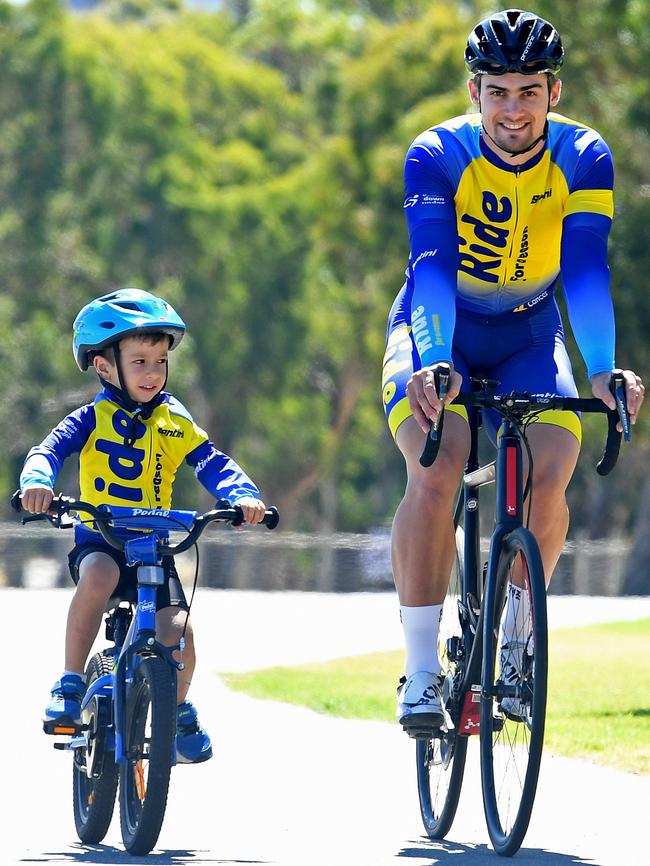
(513, 16)
(108, 325)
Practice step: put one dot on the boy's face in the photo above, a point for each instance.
(144, 367)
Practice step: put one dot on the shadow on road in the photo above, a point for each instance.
(107, 854)
(445, 853)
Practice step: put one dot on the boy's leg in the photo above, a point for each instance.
(170, 622)
(98, 577)
(193, 745)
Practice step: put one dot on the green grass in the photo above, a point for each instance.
(599, 691)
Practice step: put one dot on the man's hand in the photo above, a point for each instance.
(422, 395)
(253, 509)
(634, 392)
(37, 499)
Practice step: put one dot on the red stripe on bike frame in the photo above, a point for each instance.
(511, 480)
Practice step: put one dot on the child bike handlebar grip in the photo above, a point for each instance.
(442, 375)
(271, 518)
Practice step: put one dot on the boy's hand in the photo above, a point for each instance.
(253, 510)
(37, 499)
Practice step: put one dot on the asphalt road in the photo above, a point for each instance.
(288, 786)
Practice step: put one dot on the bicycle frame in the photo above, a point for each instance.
(507, 470)
(140, 640)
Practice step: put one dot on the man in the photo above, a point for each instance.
(498, 204)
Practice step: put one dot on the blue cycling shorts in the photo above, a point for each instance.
(170, 594)
(524, 350)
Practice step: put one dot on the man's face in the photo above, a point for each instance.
(514, 107)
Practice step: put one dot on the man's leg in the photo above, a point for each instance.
(423, 548)
(555, 453)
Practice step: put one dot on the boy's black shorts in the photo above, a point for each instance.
(170, 594)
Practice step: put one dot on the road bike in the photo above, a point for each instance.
(495, 686)
(128, 714)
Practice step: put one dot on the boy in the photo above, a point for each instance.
(131, 441)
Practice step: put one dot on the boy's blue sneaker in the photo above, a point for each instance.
(192, 743)
(65, 700)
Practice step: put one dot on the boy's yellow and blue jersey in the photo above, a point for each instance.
(491, 239)
(142, 474)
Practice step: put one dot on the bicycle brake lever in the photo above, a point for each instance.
(617, 387)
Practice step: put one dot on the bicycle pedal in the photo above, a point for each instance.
(63, 727)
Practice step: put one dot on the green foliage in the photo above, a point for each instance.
(247, 164)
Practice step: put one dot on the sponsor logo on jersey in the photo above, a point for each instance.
(175, 433)
(487, 239)
(547, 194)
(157, 478)
(427, 254)
(420, 331)
(532, 303)
(520, 263)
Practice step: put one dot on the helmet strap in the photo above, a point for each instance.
(513, 153)
(139, 410)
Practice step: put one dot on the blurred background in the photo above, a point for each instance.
(244, 160)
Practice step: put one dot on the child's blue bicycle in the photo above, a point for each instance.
(128, 724)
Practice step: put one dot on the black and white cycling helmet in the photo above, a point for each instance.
(514, 41)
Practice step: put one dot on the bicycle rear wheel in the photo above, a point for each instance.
(441, 760)
(93, 797)
(149, 744)
(513, 705)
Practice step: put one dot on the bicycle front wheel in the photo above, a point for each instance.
(93, 796)
(441, 760)
(513, 705)
(149, 745)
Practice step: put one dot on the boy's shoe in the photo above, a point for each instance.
(193, 745)
(512, 658)
(65, 699)
(419, 704)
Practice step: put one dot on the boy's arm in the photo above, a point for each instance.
(220, 474)
(44, 461)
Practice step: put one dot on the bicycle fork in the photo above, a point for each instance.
(509, 514)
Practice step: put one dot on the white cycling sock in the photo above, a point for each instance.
(421, 626)
(516, 621)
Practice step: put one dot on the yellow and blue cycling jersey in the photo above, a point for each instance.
(113, 472)
(488, 243)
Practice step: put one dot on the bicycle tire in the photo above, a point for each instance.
(440, 761)
(149, 745)
(93, 799)
(511, 750)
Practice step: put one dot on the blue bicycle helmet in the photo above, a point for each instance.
(120, 314)
(513, 41)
